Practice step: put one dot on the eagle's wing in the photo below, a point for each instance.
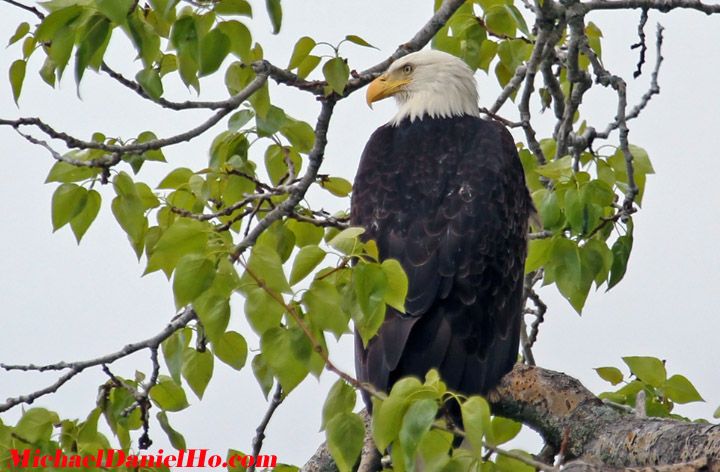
(447, 199)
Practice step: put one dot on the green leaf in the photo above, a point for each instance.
(232, 349)
(610, 374)
(504, 429)
(340, 399)
(55, 21)
(193, 275)
(92, 45)
(359, 41)
(262, 373)
(680, 390)
(345, 434)
(68, 201)
(567, 271)
(240, 119)
(337, 186)
(168, 395)
(305, 262)
(305, 233)
(648, 369)
(213, 312)
(270, 123)
(518, 18)
(265, 263)
(476, 419)
(214, 48)
(150, 81)
(416, 423)
(388, 414)
(184, 37)
(302, 48)
(500, 21)
(276, 161)
(556, 168)
(64, 172)
(621, 253)
(36, 425)
(347, 240)
(240, 38)
(129, 211)
(300, 134)
(197, 369)
(286, 352)
(176, 178)
(173, 348)
(324, 307)
(116, 10)
(274, 9)
(20, 32)
(61, 48)
(488, 50)
(82, 221)
(508, 464)
(370, 285)
(262, 310)
(397, 284)
(184, 236)
(17, 76)
(176, 439)
(716, 414)
(336, 72)
(539, 252)
(307, 66)
(233, 7)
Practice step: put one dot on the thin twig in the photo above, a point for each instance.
(32, 10)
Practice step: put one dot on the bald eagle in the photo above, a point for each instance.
(443, 191)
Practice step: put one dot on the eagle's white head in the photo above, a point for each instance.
(432, 83)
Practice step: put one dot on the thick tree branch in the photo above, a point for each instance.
(599, 436)
(553, 403)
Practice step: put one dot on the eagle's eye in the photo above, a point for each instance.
(408, 69)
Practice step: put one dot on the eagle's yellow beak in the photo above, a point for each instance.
(384, 87)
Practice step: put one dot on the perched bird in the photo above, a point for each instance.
(443, 191)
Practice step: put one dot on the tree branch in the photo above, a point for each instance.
(75, 368)
(275, 402)
(572, 419)
(73, 142)
(660, 5)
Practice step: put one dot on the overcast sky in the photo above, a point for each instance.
(67, 302)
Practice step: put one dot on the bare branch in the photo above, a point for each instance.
(257, 444)
(76, 367)
(641, 43)
(73, 142)
(660, 5)
(32, 10)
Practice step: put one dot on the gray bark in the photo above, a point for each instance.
(592, 435)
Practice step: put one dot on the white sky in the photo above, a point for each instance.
(67, 302)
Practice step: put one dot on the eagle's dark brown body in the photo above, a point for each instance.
(447, 198)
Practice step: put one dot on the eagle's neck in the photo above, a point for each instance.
(437, 99)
